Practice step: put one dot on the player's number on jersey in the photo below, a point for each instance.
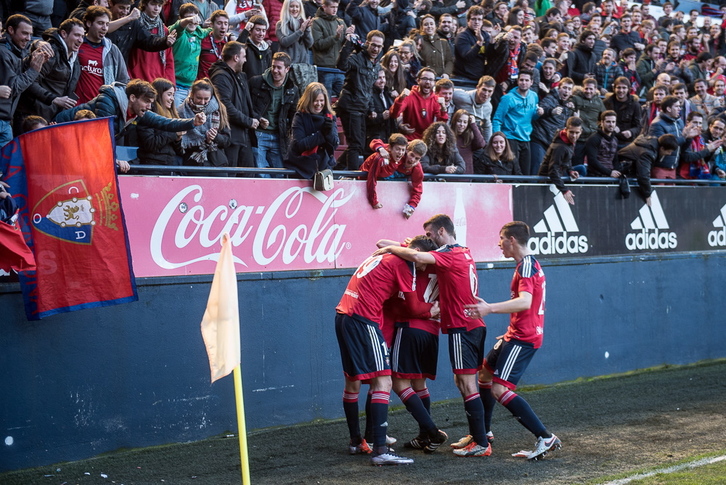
(544, 297)
(368, 266)
(432, 289)
(473, 280)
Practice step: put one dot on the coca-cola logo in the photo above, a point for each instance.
(299, 223)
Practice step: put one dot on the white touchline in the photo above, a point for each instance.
(672, 469)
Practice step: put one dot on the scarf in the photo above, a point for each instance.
(512, 67)
(149, 24)
(196, 138)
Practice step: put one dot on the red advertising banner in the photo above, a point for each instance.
(175, 224)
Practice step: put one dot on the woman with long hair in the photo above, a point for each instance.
(498, 158)
(435, 52)
(410, 61)
(468, 137)
(204, 145)
(395, 75)
(516, 17)
(314, 133)
(159, 147)
(442, 156)
(294, 32)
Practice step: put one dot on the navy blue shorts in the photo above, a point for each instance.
(362, 349)
(414, 354)
(507, 361)
(466, 349)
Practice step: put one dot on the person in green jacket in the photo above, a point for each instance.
(187, 49)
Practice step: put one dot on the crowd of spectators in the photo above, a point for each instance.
(551, 87)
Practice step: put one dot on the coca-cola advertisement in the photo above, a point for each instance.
(175, 224)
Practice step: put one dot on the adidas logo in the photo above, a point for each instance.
(558, 226)
(653, 228)
(718, 238)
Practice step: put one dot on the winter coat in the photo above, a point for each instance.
(297, 44)
(112, 101)
(378, 127)
(15, 74)
(470, 58)
(234, 93)
(487, 166)
(590, 110)
(149, 66)
(622, 41)
(360, 74)
(546, 126)
(133, 35)
(497, 55)
(645, 67)
(258, 58)
(601, 151)
(630, 115)
(366, 19)
(580, 62)
(641, 155)
(606, 75)
(158, 147)
(557, 161)
(58, 78)
(326, 46)
(307, 135)
(437, 55)
(439, 166)
(261, 93)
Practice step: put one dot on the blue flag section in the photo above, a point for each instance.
(70, 207)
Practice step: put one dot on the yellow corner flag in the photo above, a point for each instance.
(220, 325)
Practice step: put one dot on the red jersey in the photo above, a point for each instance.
(427, 290)
(376, 280)
(211, 53)
(90, 58)
(528, 325)
(458, 286)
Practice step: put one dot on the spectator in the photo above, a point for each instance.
(626, 38)
(329, 33)
(680, 91)
(442, 156)
(649, 65)
(581, 61)
(601, 148)
(53, 90)
(549, 77)
(273, 10)
(31, 123)
(129, 105)
(435, 51)
(704, 103)
(627, 108)
(160, 147)
(101, 62)
(274, 97)
(379, 123)
(187, 48)
(259, 53)
(477, 102)
(366, 18)
(498, 158)
(699, 66)
(419, 108)
(606, 71)
(504, 57)
(514, 117)
(132, 34)
(628, 65)
(469, 139)
(399, 166)
(205, 9)
(676, 66)
(204, 144)
(410, 62)
(471, 46)
(645, 153)
(694, 161)
(557, 107)
(361, 71)
(294, 32)
(447, 28)
(243, 11)
(213, 43)
(395, 74)
(558, 159)
(668, 122)
(314, 136)
(589, 106)
(38, 12)
(234, 93)
(717, 165)
(148, 65)
(444, 90)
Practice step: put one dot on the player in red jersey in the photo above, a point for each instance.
(364, 352)
(458, 286)
(511, 355)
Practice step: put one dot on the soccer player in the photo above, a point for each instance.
(363, 350)
(414, 356)
(511, 355)
(458, 285)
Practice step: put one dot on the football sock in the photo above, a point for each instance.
(523, 412)
(350, 408)
(475, 416)
(379, 418)
(485, 391)
(418, 411)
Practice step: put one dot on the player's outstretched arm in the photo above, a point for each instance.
(482, 309)
(408, 254)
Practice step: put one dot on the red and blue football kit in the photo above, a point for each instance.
(458, 286)
(528, 325)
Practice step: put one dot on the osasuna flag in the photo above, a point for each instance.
(220, 325)
(71, 206)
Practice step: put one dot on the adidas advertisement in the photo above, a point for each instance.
(679, 219)
(717, 237)
(651, 230)
(557, 232)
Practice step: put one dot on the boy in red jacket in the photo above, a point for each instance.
(397, 159)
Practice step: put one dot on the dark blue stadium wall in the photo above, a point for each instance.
(79, 384)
